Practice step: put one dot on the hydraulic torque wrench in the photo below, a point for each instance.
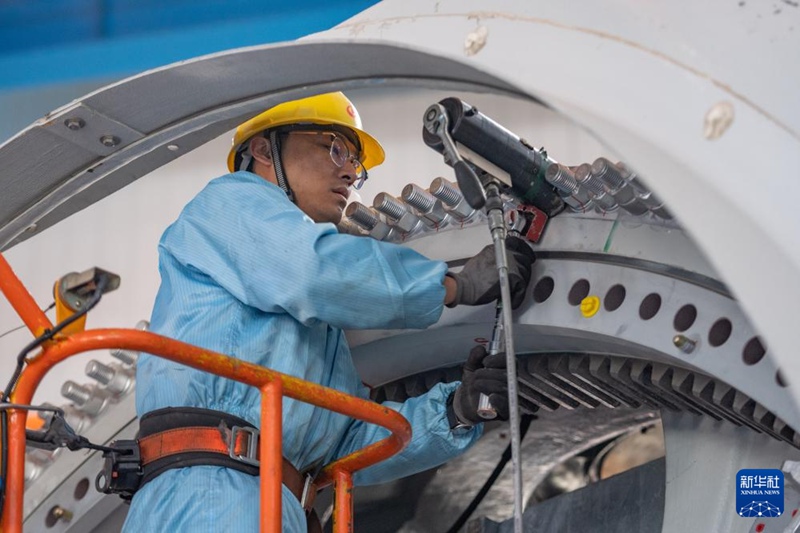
(437, 130)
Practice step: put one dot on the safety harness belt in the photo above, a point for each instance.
(177, 437)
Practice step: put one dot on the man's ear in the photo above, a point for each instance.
(260, 149)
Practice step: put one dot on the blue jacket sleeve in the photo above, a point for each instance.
(432, 441)
(244, 233)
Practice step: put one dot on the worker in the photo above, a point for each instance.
(254, 267)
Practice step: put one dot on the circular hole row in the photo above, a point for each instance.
(579, 291)
(81, 488)
(614, 298)
(684, 318)
(543, 289)
(719, 333)
(649, 307)
(754, 352)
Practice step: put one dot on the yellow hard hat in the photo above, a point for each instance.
(331, 109)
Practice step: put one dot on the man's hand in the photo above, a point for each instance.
(478, 282)
(485, 374)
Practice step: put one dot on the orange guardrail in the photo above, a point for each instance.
(273, 385)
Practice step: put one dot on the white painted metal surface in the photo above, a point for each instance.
(699, 98)
(644, 81)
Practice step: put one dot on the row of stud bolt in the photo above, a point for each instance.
(417, 210)
(114, 381)
(605, 187)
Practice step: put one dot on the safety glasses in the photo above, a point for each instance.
(340, 154)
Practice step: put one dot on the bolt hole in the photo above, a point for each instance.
(650, 306)
(753, 351)
(780, 379)
(543, 289)
(614, 298)
(81, 489)
(579, 291)
(685, 317)
(720, 332)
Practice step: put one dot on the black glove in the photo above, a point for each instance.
(485, 374)
(478, 282)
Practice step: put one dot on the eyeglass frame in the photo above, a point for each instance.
(361, 175)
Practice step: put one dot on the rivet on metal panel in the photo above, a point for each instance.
(684, 343)
(173, 147)
(74, 123)
(476, 40)
(109, 141)
(31, 228)
(717, 121)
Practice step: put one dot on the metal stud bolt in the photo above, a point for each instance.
(684, 343)
(74, 123)
(56, 514)
(109, 141)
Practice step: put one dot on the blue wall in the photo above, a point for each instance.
(54, 51)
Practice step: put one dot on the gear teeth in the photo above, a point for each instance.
(540, 400)
(572, 381)
(563, 391)
(683, 383)
(768, 421)
(642, 372)
(701, 388)
(625, 370)
(416, 387)
(561, 369)
(728, 397)
(600, 369)
(604, 369)
(396, 392)
(723, 395)
(664, 378)
(783, 429)
(581, 368)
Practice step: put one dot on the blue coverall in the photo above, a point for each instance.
(246, 273)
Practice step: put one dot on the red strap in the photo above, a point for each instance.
(216, 440)
(191, 439)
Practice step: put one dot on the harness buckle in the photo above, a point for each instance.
(304, 496)
(122, 470)
(250, 455)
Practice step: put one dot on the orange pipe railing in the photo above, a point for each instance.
(343, 501)
(21, 300)
(271, 457)
(273, 386)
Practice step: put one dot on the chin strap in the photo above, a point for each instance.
(283, 183)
